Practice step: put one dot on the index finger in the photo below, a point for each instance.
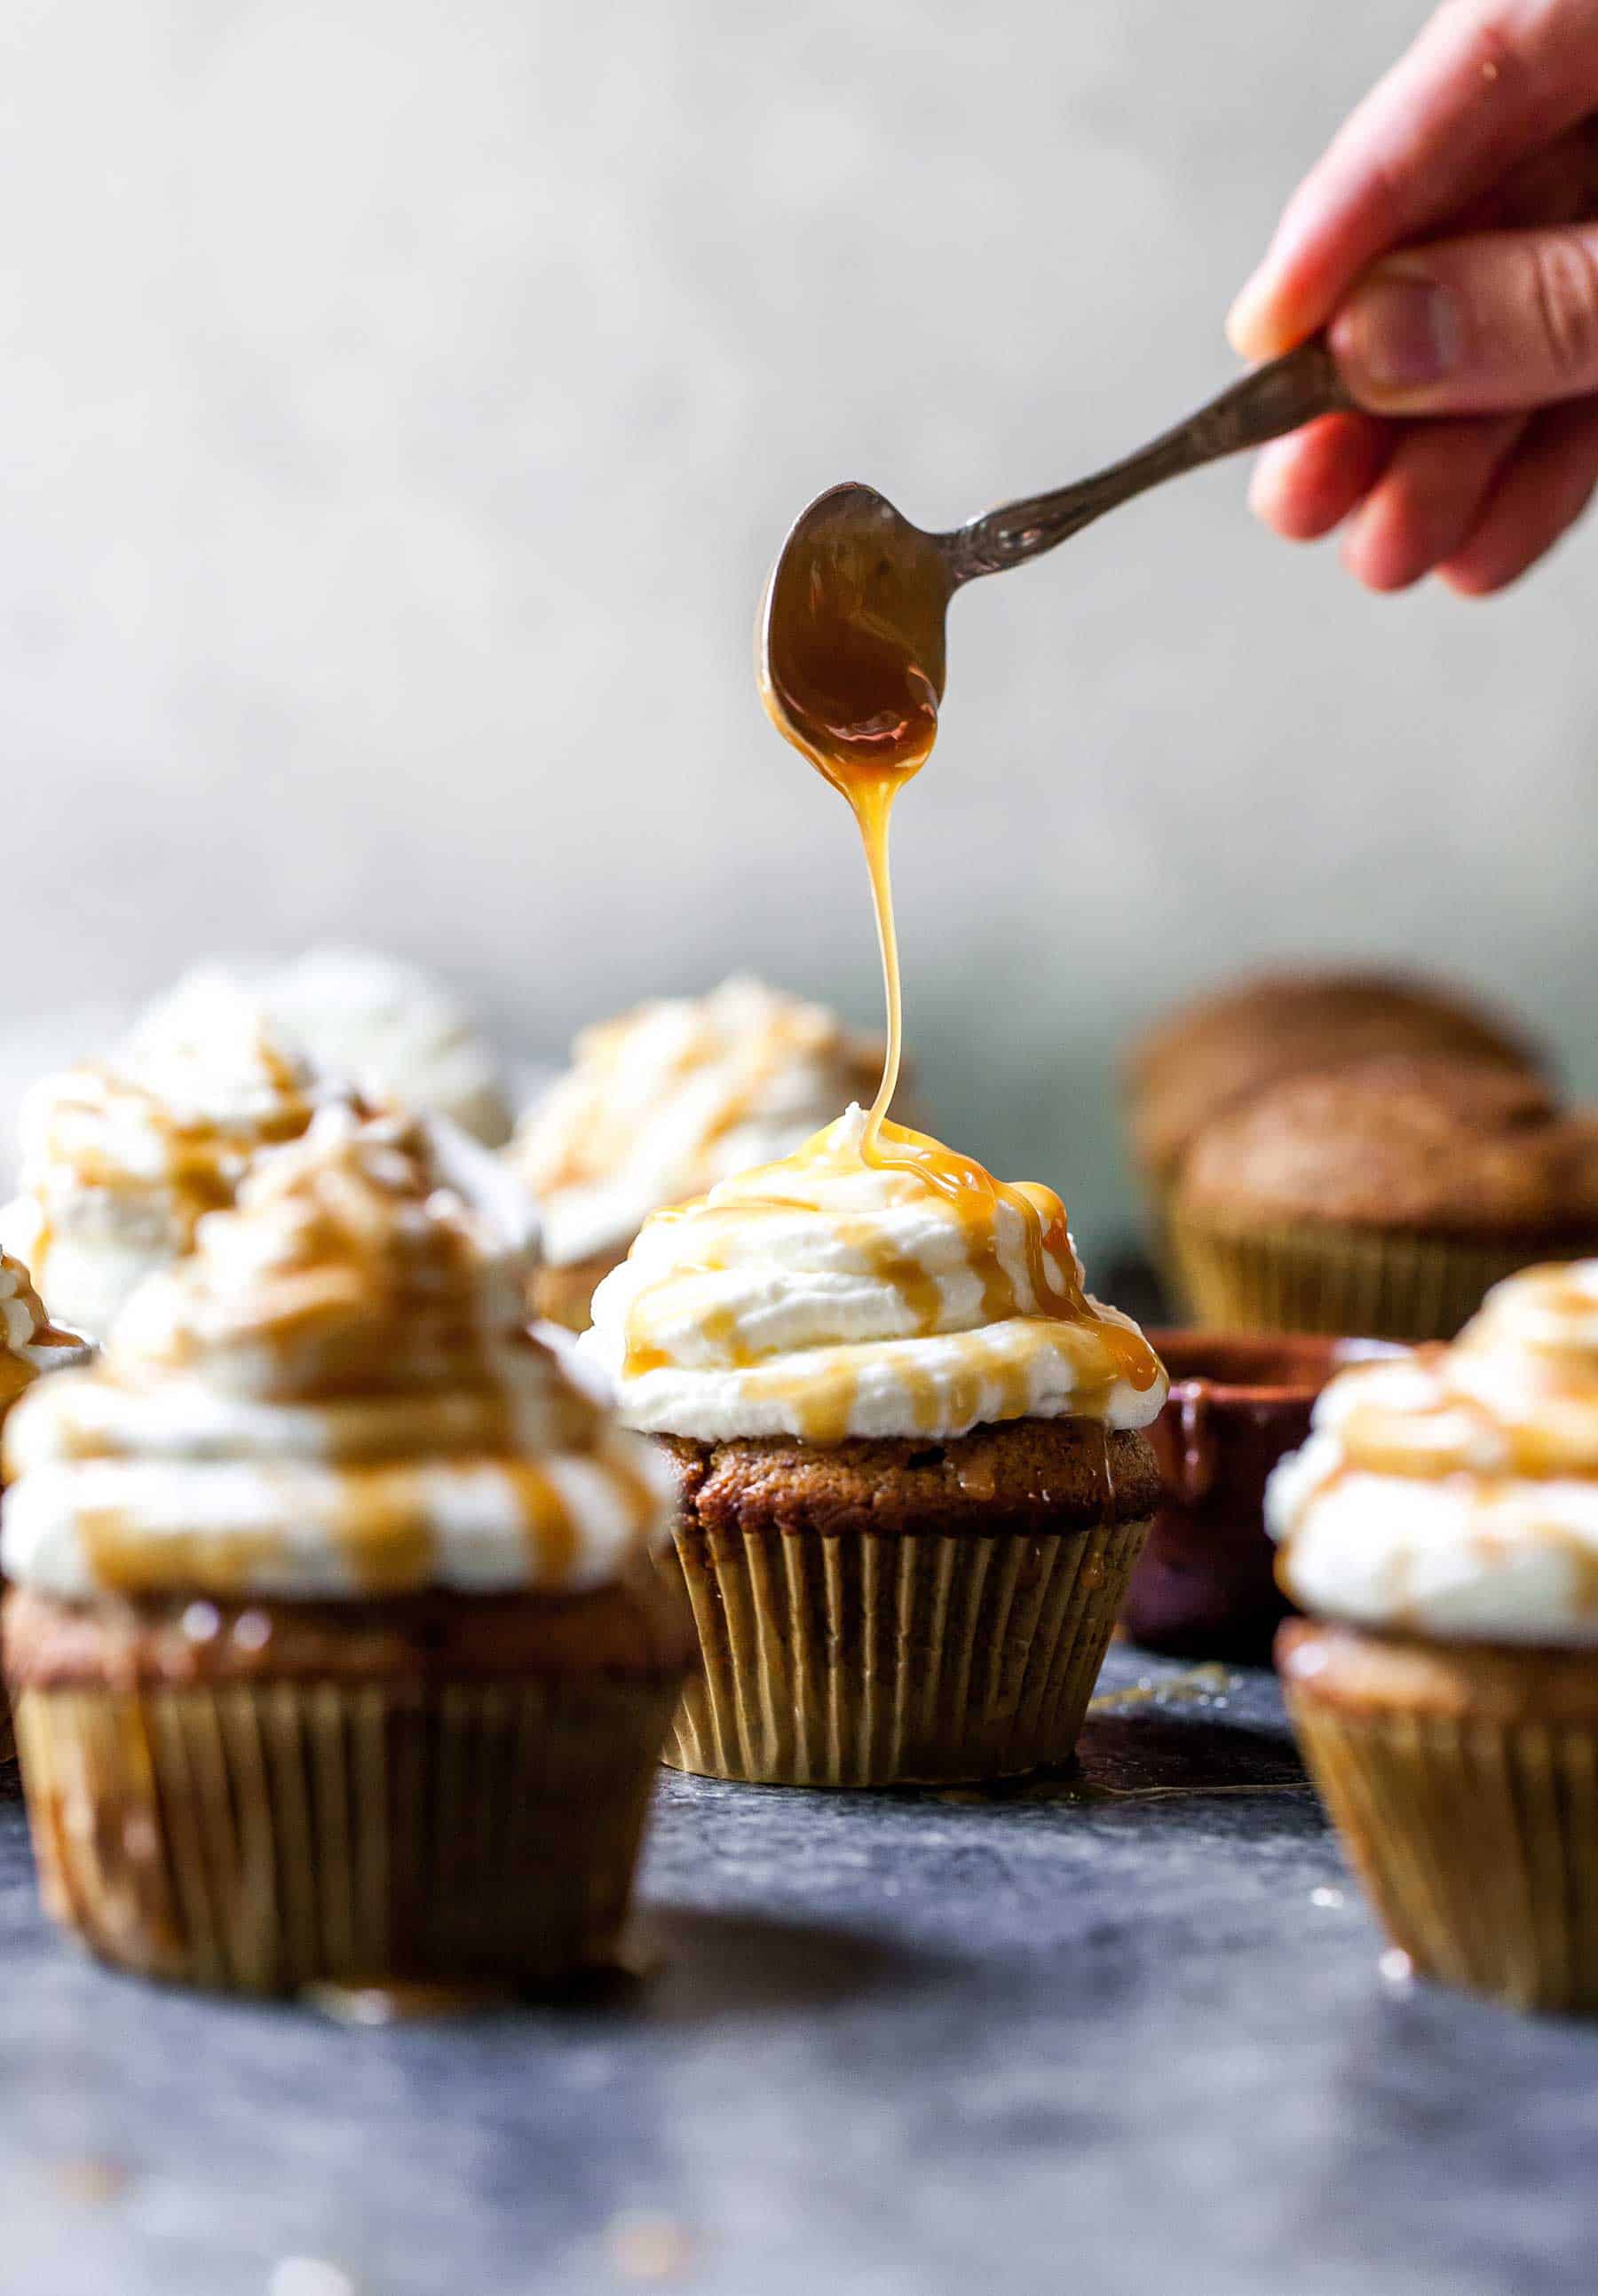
(1486, 83)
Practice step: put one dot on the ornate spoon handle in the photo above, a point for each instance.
(1265, 403)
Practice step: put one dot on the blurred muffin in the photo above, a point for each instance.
(661, 1104)
(1212, 1054)
(1441, 1529)
(121, 1159)
(388, 1028)
(1383, 1198)
(335, 1649)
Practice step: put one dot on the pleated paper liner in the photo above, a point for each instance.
(269, 1836)
(870, 1659)
(1313, 1276)
(1476, 1835)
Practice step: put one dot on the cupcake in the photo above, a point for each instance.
(911, 1482)
(121, 1159)
(663, 1102)
(1382, 1198)
(1441, 1528)
(392, 1029)
(333, 1648)
(1213, 1054)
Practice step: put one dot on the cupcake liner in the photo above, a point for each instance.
(265, 1836)
(1477, 1840)
(1308, 1275)
(866, 1659)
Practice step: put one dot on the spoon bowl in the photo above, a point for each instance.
(852, 650)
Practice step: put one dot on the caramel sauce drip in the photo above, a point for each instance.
(855, 671)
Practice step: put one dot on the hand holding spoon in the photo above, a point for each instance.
(852, 644)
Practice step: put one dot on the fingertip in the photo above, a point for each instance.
(1466, 580)
(1246, 329)
(1254, 324)
(1370, 553)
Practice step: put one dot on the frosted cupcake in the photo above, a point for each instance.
(396, 1032)
(661, 1104)
(911, 1483)
(332, 1647)
(1441, 1529)
(123, 1159)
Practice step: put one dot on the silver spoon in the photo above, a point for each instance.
(852, 642)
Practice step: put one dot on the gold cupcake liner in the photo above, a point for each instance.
(870, 1659)
(1309, 1277)
(266, 1836)
(1475, 1839)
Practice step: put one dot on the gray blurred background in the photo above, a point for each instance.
(400, 407)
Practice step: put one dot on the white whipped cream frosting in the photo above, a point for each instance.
(122, 1157)
(392, 1029)
(825, 1298)
(1453, 1492)
(334, 1396)
(661, 1104)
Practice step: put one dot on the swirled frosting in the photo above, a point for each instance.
(121, 1159)
(334, 1395)
(666, 1101)
(1453, 1492)
(390, 1029)
(829, 1296)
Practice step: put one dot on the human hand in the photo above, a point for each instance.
(1477, 159)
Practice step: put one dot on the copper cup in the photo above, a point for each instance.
(1205, 1585)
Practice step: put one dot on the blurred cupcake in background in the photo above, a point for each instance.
(1382, 1198)
(122, 1157)
(664, 1102)
(1213, 1054)
(337, 1651)
(1440, 1526)
(394, 1031)
(31, 1347)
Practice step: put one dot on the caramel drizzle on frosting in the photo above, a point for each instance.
(1507, 1412)
(822, 1387)
(588, 1127)
(351, 1282)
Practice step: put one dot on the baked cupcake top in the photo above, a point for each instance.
(1455, 1492)
(826, 1296)
(30, 1344)
(1422, 1142)
(1216, 1052)
(664, 1102)
(332, 1395)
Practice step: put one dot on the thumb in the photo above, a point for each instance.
(1480, 325)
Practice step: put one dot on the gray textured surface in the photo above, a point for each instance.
(1099, 2036)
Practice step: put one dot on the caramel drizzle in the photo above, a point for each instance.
(858, 701)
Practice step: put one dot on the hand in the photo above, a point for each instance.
(1477, 158)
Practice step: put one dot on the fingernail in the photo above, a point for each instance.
(1242, 319)
(1399, 331)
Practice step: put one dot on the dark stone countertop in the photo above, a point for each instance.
(1127, 2033)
